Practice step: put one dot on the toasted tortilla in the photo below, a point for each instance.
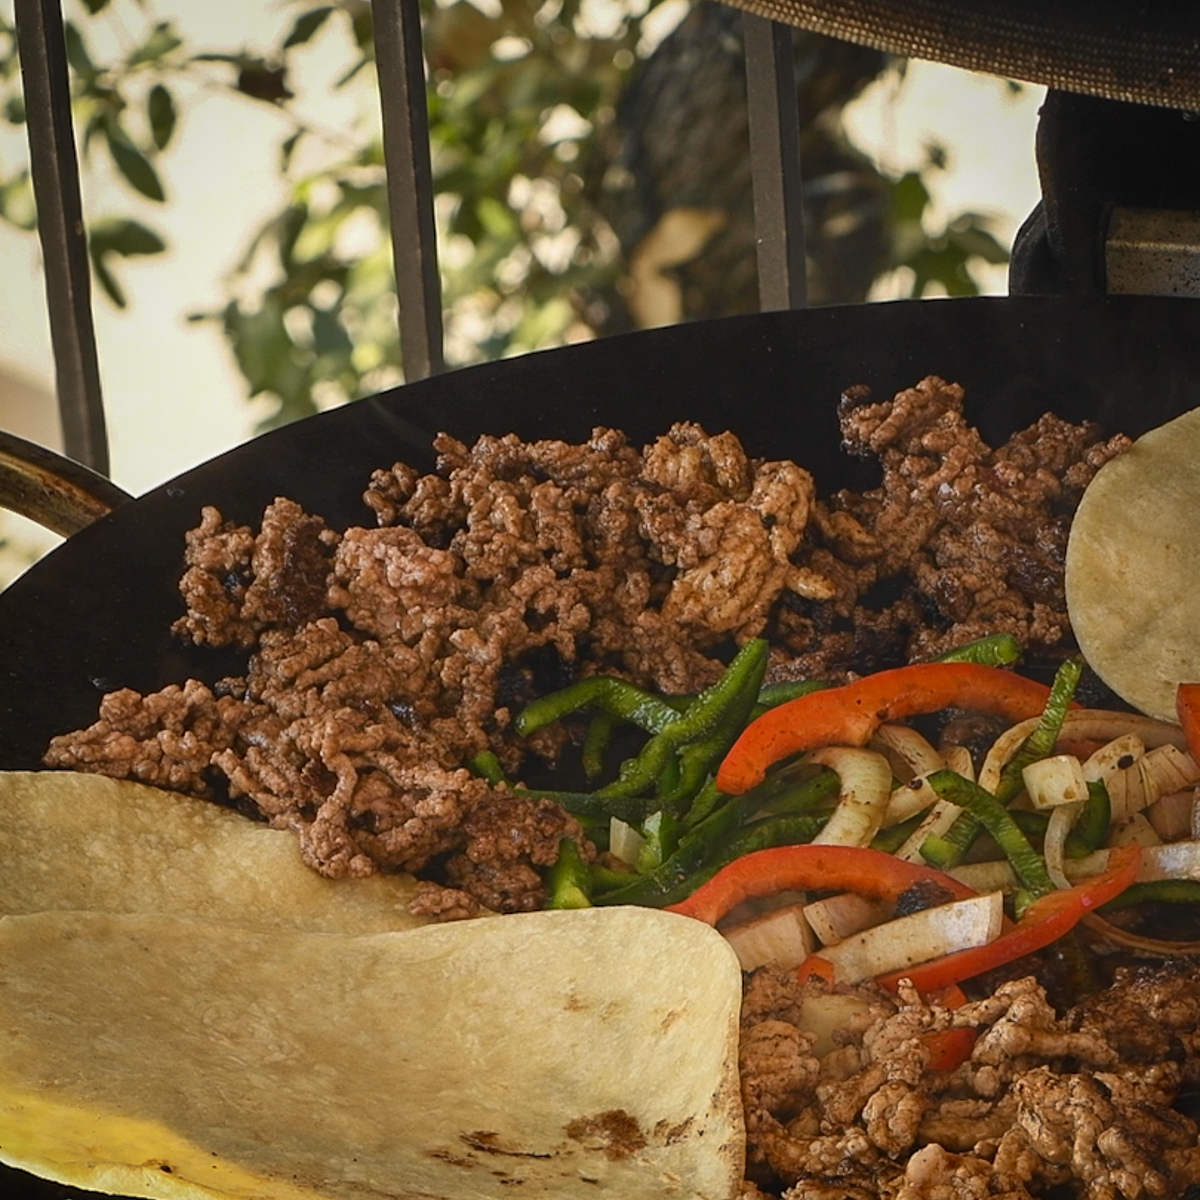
(563, 1054)
(78, 841)
(1133, 562)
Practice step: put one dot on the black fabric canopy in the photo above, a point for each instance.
(1141, 53)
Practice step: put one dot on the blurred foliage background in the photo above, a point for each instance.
(591, 174)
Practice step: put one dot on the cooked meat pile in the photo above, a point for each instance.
(1084, 1106)
(380, 660)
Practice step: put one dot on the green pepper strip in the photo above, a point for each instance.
(569, 884)
(1040, 743)
(891, 839)
(595, 743)
(487, 766)
(699, 760)
(997, 650)
(617, 697)
(661, 831)
(708, 799)
(772, 695)
(1156, 891)
(1091, 829)
(950, 849)
(998, 821)
(711, 844)
(706, 720)
(592, 805)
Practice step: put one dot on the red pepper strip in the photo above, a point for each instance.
(830, 868)
(815, 967)
(948, 997)
(849, 715)
(1044, 922)
(1187, 706)
(949, 1048)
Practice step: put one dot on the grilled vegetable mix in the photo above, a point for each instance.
(820, 832)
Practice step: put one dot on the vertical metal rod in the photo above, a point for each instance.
(401, 67)
(55, 171)
(775, 163)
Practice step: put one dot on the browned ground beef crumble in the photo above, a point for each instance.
(1081, 1105)
(382, 659)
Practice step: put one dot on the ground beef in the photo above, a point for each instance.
(963, 540)
(1045, 1105)
(382, 660)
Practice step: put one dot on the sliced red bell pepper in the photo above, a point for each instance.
(802, 868)
(1045, 921)
(849, 715)
(1187, 706)
(949, 1048)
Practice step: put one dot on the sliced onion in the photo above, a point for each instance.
(1062, 821)
(624, 841)
(907, 800)
(1159, 772)
(1081, 724)
(866, 784)
(959, 760)
(1099, 724)
(1173, 816)
(941, 816)
(906, 748)
(837, 917)
(1135, 828)
(1116, 936)
(1109, 758)
(1055, 781)
(917, 938)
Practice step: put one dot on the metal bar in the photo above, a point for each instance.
(775, 163)
(401, 67)
(55, 170)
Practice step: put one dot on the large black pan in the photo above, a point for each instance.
(94, 615)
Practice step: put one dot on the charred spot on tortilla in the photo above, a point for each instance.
(615, 1132)
(1133, 561)
(489, 1141)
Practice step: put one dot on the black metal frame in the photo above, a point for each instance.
(775, 169)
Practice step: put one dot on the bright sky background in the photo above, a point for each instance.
(172, 394)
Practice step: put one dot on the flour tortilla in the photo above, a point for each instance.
(553, 1054)
(1133, 566)
(79, 841)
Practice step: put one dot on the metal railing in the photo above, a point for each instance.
(775, 173)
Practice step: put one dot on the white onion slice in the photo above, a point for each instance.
(866, 783)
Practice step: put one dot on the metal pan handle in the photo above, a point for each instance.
(58, 493)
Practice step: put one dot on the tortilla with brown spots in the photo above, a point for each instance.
(564, 1054)
(1133, 563)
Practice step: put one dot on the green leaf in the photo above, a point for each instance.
(162, 40)
(288, 148)
(909, 197)
(17, 205)
(14, 109)
(329, 334)
(137, 169)
(160, 109)
(95, 6)
(126, 237)
(108, 282)
(77, 54)
(306, 26)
